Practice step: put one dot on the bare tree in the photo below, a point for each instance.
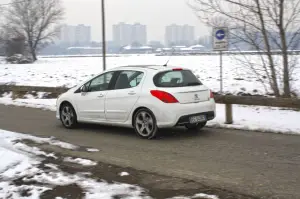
(37, 20)
(265, 26)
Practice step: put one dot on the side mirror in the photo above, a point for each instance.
(84, 89)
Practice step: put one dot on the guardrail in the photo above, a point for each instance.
(13, 88)
(228, 100)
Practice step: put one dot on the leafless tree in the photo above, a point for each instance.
(37, 20)
(264, 25)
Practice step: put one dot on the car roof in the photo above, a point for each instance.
(153, 67)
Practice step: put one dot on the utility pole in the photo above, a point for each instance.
(103, 36)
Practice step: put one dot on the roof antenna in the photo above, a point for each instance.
(169, 57)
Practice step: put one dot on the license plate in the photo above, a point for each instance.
(197, 119)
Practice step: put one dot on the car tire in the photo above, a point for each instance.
(145, 124)
(197, 127)
(68, 116)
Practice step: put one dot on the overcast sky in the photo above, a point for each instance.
(156, 14)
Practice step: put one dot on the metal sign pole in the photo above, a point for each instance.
(220, 43)
(103, 36)
(221, 72)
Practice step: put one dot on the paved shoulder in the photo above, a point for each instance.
(254, 163)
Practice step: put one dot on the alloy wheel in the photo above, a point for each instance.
(145, 124)
(67, 116)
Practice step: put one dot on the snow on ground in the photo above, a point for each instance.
(92, 150)
(71, 71)
(29, 101)
(52, 141)
(124, 173)
(256, 118)
(200, 195)
(20, 164)
(84, 162)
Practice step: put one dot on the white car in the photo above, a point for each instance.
(145, 97)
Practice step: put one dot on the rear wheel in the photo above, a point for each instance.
(145, 124)
(68, 116)
(197, 126)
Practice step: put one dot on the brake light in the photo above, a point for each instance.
(164, 96)
(211, 94)
(177, 69)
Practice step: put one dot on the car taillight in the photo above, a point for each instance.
(164, 96)
(211, 94)
(177, 69)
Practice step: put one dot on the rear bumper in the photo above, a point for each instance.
(210, 115)
(171, 115)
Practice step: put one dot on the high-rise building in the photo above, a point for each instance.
(122, 34)
(83, 34)
(128, 34)
(67, 34)
(139, 34)
(80, 34)
(179, 35)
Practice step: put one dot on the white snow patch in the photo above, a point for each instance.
(46, 104)
(39, 140)
(52, 166)
(259, 118)
(84, 162)
(19, 163)
(61, 144)
(92, 150)
(199, 196)
(124, 174)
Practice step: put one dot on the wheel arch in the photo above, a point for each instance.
(66, 102)
(136, 110)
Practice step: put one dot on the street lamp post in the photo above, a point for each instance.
(103, 36)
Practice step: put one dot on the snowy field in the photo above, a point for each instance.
(25, 174)
(237, 79)
(245, 117)
(71, 71)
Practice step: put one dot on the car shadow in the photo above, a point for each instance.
(163, 134)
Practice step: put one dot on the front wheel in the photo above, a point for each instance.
(145, 124)
(68, 116)
(197, 126)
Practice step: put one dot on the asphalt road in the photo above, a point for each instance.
(263, 164)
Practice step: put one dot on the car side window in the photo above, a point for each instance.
(136, 80)
(129, 79)
(100, 83)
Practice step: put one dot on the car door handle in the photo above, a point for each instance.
(131, 93)
(100, 95)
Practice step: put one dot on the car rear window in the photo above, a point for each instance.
(178, 78)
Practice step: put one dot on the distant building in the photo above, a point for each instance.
(83, 34)
(80, 34)
(136, 50)
(179, 35)
(156, 44)
(129, 34)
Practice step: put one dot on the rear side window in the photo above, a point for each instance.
(180, 78)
